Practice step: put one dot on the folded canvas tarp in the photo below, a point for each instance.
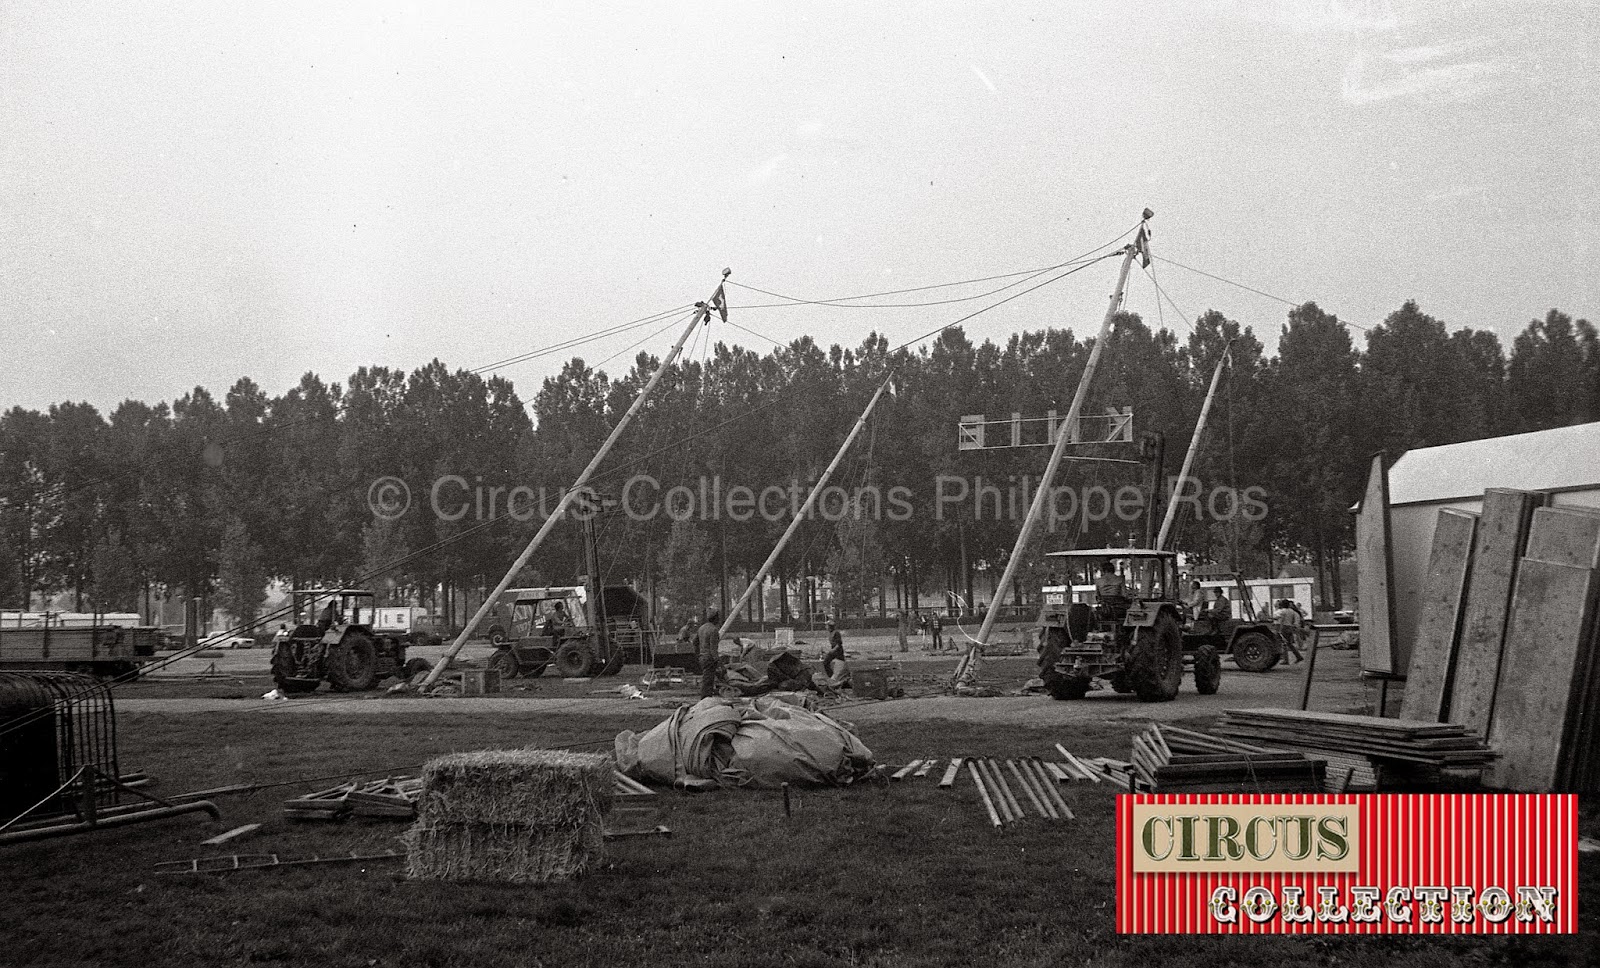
(761, 742)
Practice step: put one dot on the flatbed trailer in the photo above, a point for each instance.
(102, 650)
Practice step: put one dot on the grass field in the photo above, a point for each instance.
(878, 874)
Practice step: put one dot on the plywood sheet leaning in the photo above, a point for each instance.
(1433, 657)
(1566, 536)
(1541, 678)
(1571, 536)
(1375, 575)
(1502, 534)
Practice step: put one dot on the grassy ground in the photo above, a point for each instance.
(881, 874)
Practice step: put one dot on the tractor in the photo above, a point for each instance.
(1255, 646)
(1134, 641)
(339, 645)
(566, 627)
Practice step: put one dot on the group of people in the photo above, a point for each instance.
(707, 638)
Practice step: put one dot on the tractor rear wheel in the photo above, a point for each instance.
(1207, 670)
(574, 659)
(1155, 663)
(353, 663)
(283, 673)
(1255, 652)
(504, 663)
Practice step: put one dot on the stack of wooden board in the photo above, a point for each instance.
(1507, 644)
(1409, 753)
(1170, 766)
(1346, 772)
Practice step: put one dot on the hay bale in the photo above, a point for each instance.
(515, 787)
(483, 852)
(510, 815)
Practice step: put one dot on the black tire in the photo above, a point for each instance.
(505, 664)
(353, 663)
(1064, 686)
(283, 674)
(1255, 652)
(574, 659)
(1207, 670)
(415, 666)
(1155, 667)
(497, 636)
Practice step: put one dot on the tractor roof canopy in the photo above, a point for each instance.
(1113, 553)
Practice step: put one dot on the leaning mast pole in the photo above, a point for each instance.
(968, 668)
(1194, 446)
(805, 510)
(702, 314)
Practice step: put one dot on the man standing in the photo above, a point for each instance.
(937, 626)
(706, 645)
(1196, 600)
(835, 649)
(1288, 619)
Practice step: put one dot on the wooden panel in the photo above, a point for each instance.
(1566, 536)
(1546, 648)
(1502, 533)
(1375, 575)
(1432, 668)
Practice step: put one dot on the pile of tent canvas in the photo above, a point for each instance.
(761, 742)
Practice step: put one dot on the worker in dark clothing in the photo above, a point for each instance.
(706, 644)
(835, 651)
(1109, 587)
(937, 625)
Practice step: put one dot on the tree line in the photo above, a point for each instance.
(218, 497)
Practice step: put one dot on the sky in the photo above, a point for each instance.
(191, 192)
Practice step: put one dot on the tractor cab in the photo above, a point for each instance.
(1127, 630)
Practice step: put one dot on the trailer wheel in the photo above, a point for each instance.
(1207, 670)
(1255, 652)
(1155, 665)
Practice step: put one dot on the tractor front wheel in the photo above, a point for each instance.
(1155, 667)
(574, 659)
(283, 673)
(353, 663)
(505, 664)
(1207, 670)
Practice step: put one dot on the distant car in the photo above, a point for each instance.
(230, 642)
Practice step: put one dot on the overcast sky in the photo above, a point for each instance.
(195, 191)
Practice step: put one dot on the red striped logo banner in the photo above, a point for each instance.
(1347, 864)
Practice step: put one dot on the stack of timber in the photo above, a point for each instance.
(1408, 754)
(1346, 772)
(1170, 766)
(999, 781)
(1507, 644)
